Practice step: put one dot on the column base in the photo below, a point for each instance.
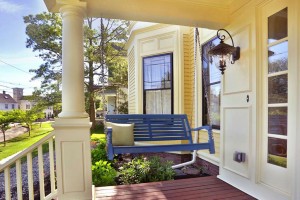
(73, 114)
(73, 158)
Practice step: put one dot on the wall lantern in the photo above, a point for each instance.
(224, 51)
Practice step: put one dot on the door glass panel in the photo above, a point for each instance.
(278, 88)
(214, 103)
(277, 151)
(277, 26)
(277, 120)
(278, 57)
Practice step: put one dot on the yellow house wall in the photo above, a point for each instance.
(158, 39)
(152, 40)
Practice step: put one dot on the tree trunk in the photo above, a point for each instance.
(92, 110)
(4, 141)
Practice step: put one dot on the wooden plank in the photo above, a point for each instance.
(7, 183)
(194, 188)
(19, 179)
(41, 172)
(30, 176)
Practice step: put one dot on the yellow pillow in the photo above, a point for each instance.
(122, 134)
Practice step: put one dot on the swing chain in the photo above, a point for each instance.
(204, 76)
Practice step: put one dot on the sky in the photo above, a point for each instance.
(15, 59)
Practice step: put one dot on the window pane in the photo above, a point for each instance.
(157, 72)
(158, 102)
(278, 88)
(278, 57)
(277, 151)
(214, 72)
(214, 104)
(211, 86)
(277, 120)
(277, 26)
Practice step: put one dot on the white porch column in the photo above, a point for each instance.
(73, 71)
(72, 128)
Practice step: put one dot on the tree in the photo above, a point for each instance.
(6, 117)
(30, 116)
(104, 41)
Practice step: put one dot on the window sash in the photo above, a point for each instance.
(157, 82)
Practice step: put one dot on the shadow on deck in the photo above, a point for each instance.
(193, 188)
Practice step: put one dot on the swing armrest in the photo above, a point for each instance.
(210, 137)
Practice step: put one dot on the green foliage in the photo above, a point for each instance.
(160, 170)
(135, 171)
(98, 129)
(103, 174)
(6, 117)
(141, 170)
(29, 116)
(99, 152)
(104, 42)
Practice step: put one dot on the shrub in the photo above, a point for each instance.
(160, 170)
(103, 174)
(134, 171)
(141, 170)
(99, 152)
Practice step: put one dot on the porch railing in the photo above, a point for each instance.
(26, 163)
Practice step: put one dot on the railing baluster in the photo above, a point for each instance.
(30, 176)
(51, 160)
(41, 172)
(7, 183)
(16, 160)
(19, 179)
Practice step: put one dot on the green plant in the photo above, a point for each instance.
(160, 170)
(99, 152)
(134, 171)
(141, 170)
(103, 174)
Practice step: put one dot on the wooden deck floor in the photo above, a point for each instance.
(203, 188)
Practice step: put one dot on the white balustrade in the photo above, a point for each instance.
(16, 162)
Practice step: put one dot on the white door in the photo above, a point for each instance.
(275, 110)
(238, 108)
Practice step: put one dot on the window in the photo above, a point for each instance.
(6, 106)
(13, 106)
(27, 106)
(277, 81)
(158, 84)
(211, 83)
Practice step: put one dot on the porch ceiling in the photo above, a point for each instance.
(211, 14)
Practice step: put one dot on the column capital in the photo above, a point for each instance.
(72, 8)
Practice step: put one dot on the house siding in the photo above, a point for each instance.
(131, 82)
(179, 41)
(188, 51)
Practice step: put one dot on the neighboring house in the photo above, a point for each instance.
(261, 87)
(7, 102)
(25, 102)
(114, 97)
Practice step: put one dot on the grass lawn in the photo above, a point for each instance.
(23, 141)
